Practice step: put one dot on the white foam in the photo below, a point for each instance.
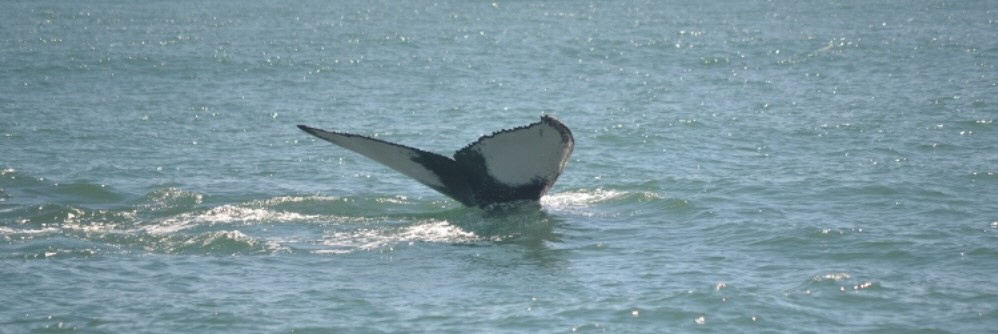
(441, 231)
(371, 239)
(226, 214)
(332, 251)
(168, 227)
(292, 199)
(580, 198)
(9, 231)
(832, 276)
(232, 213)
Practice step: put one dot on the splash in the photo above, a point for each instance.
(610, 203)
(382, 238)
(580, 198)
(177, 221)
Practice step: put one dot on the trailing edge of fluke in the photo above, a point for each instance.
(518, 164)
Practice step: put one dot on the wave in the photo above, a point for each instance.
(174, 221)
(39, 218)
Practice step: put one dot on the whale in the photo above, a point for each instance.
(509, 165)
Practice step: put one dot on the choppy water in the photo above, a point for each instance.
(759, 166)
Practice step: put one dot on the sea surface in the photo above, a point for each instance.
(740, 166)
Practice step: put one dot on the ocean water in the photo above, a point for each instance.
(740, 166)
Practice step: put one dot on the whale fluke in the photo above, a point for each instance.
(518, 164)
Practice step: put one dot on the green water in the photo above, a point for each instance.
(761, 166)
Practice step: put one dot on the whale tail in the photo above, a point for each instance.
(509, 165)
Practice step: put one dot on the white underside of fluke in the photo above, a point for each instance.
(508, 165)
(397, 157)
(523, 155)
